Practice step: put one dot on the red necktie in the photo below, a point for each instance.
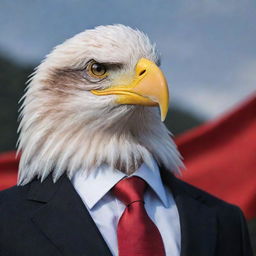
(137, 234)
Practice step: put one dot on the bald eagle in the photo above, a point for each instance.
(94, 100)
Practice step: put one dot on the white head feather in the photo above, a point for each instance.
(65, 128)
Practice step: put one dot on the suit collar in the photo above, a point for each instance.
(44, 191)
(64, 220)
(198, 221)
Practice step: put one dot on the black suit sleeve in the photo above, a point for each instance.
(246, 245)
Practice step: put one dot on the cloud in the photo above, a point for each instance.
(211, 100)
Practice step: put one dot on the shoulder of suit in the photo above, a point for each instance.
(13, 194)
(209, 199)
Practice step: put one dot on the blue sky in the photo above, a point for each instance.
(207, 46)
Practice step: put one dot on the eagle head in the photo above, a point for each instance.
(98, 98)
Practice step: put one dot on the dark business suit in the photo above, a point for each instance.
(44, 219)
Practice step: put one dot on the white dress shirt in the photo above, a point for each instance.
(105, 209)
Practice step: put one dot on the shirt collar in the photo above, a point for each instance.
(153, 178)
(95, 185)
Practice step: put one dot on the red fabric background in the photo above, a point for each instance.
(220, 157)
(8, 169)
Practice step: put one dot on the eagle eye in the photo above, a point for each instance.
(96, 70)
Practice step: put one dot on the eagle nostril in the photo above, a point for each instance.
(142, 72)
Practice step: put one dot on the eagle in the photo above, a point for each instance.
(98, 98)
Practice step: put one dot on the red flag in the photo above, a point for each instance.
(220, 157)
(8, 169)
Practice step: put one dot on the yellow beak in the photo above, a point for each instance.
(148, 88)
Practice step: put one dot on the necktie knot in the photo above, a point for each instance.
(130, 190)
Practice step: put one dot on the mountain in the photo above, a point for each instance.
(12, 84)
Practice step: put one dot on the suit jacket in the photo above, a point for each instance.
(44, 219)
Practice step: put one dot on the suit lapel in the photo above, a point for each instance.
(64, 219)
(198, 221)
